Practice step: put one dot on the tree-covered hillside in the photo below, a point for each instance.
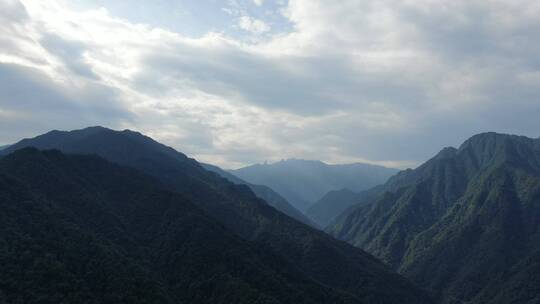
(465, 224)
(77, 229)
(319, 257)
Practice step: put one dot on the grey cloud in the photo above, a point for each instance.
(302, 85)
(327, 82)
(431, 131)
(12, 11)
(461, 73)
(196, 136)
(70, 52)
(477, 31)
(31, 102)
(14, 38)
(235, 74)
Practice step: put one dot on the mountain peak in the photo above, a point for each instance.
(495, 148)
(466, 215)
(447, 152)
(92, 130)
(313, 254)
(97, 128)
(490, 140)
(80, 132)
(300, 161)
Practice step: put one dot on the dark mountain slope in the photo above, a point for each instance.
(331, 205)
(303, 182)
(328, 261)
(335, 203)
(82, 230)
(410, 202)
(265, 193)
(465, 224)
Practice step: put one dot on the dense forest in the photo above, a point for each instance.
(465, 224)
(291, 252)
(103, 216)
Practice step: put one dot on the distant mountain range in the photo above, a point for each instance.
(103, 216)
(304, 182)
(465, 224)
(268, 195)
(130, 220)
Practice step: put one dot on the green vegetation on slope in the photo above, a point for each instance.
(77, 229)
(332, 204)
(465, 224)
(319, 257)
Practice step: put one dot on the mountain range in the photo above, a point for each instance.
(116, 217)
(103, 216)
(304, 182)
(79, 229)
(265, 193)
(465, 224)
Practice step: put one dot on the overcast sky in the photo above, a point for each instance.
(245, 81)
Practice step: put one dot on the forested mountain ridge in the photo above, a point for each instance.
(321, 258)
(82, 230)
(465, 224)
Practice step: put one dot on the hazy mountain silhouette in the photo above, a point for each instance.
(466, 224)
(303, 182)
(316, 255)
(331, 205)
(266, 193)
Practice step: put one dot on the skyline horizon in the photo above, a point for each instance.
(277, 159)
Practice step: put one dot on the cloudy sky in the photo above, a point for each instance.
(244, 81)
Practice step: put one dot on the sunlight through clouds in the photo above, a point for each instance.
(364, 80)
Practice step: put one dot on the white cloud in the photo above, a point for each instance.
(258, 2)
(253, 25)
(382, 81)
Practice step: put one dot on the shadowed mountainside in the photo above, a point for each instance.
(265, 193)
(465, 224)
(334, 203)
(323, 259)
(83, 230)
